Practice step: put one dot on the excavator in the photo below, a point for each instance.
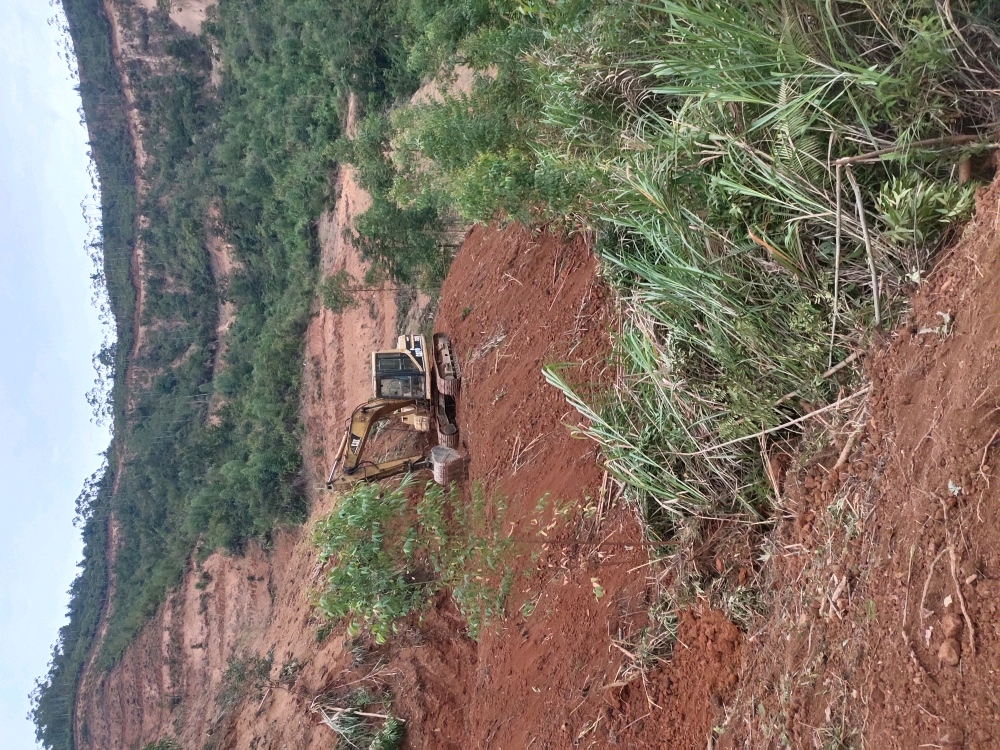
(418, 386)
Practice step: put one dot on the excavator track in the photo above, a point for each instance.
(447, 427)
(449, 374)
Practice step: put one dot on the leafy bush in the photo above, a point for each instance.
(387, 559)
(337, 291)
(244, 677)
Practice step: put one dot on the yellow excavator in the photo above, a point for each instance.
(409, 382)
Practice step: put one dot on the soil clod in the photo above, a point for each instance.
(950, 652)
(951, 626)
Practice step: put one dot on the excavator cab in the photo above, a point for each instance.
(402, 372)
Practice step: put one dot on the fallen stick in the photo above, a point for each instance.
(780, 427)
(847, 447)
(948, 140)
(832, 371)
(868, 244)
(927, 585)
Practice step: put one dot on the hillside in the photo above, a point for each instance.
(730, 248)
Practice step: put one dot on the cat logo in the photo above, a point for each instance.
(355, 442)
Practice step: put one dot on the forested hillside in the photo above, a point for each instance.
(248, 159)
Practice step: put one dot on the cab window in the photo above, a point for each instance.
(390, 363)
(392, 388)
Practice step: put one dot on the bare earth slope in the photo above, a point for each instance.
(903, 539)
(544, 678)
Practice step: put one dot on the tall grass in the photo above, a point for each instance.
(728, 226)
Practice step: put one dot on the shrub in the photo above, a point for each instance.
(387, 559)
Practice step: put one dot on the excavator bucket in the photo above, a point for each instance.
(373, 472)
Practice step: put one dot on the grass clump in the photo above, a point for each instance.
(744, 262)
(245, 677)
(356, 721)
(388, 557)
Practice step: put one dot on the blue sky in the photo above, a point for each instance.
(48, 332)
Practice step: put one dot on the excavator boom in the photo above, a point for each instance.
(373, 472)
(365, 417)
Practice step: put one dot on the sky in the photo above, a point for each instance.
(48, 332)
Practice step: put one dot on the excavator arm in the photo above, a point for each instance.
(373, 472)
(415, 384)
(363, 419)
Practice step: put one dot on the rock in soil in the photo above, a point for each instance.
(951, 626)
(951, 739)
(950, 652)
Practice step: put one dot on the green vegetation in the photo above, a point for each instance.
(357, 724)
(763, 179)
(744, 281)
(701, 144)
(387, 559)
(165, 744)
(245, 677)
(248, 163)
(338, 291)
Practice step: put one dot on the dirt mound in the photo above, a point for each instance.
(513, 302)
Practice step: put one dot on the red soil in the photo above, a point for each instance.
(544, 679)
(547, 675)
(921, 487)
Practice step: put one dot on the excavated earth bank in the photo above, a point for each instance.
(884, 572)
(513, 301)
(886, 632)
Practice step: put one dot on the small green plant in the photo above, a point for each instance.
(289, 672)
(163, 744)
(528, 608)
(245, 677)
(337, 291)
(386, 559)
(465, 312)
(324, 630)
